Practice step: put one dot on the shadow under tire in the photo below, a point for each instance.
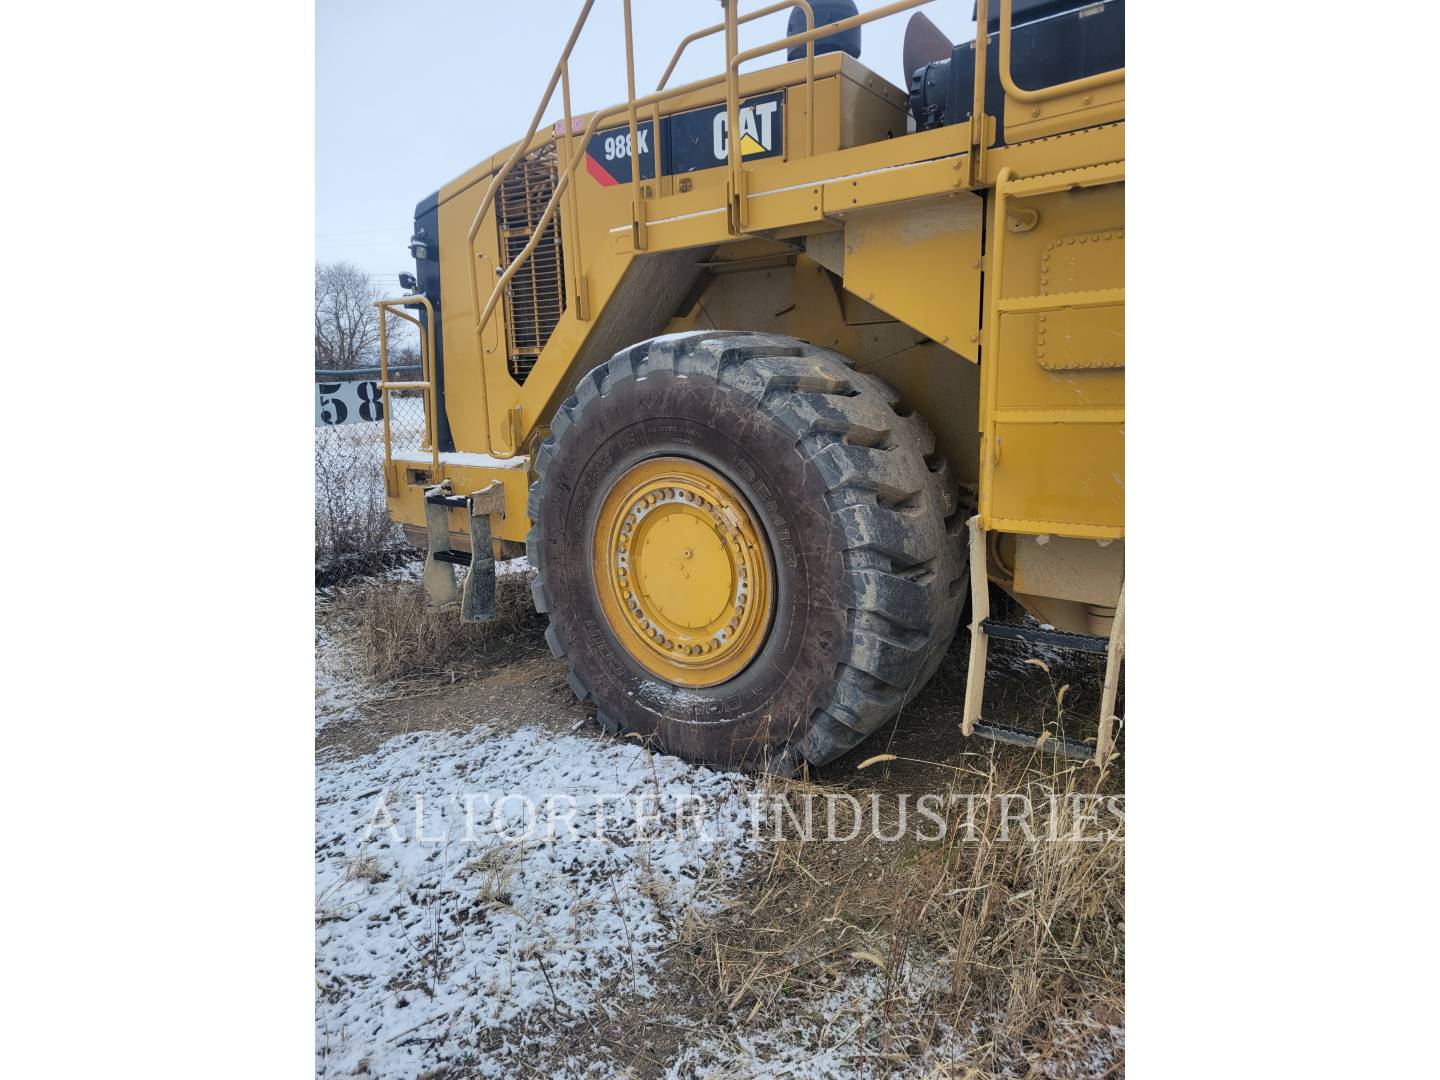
(861, 526)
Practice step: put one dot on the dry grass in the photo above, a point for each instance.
(984, 954)
(400, 638)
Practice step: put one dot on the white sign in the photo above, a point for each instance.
(355, 402)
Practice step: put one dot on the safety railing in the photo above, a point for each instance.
(741, 20)
(734, 58)
(561, 78)
(426, 381)
(1044, 93)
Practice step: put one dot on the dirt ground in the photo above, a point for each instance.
(857, 958)
(480, 669)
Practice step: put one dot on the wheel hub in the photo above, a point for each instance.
(683, 572)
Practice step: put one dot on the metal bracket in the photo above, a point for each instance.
(441, 591)
(1021, 219)
(738, 194)
(478, 601)
(639, 235)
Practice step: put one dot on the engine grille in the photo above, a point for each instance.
(535, 297)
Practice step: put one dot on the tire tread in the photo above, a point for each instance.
(896, 498)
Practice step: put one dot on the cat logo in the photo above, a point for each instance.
(757, 130)
(688, 141)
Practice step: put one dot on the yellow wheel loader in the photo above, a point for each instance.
(773, 372)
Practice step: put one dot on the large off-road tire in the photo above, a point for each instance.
(830, 525)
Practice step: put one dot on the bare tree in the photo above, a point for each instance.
(347, 326)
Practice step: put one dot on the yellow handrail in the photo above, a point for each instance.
(574, 240)
(494, 189)
(977, 108)
(427, 378)
(718, 27)
(563, 183)
(1045, 93)
(990, 351)
(836, 27)
(731, 78)
(734, 59)
(760, 13)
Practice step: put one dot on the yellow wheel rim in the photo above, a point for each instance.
(683, 572)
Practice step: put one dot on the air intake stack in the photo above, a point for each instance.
(826, 12)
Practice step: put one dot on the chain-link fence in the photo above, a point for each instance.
(351, 523)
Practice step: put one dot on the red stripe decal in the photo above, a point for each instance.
(598, 172)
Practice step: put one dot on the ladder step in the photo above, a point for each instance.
(1049, 183)
(1058, 639)
(455, 558)
(1073, 749)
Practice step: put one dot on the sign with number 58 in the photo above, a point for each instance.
(355, 402)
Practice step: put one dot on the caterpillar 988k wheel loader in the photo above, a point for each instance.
(771, 371)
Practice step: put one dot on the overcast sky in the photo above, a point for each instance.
(407, 97)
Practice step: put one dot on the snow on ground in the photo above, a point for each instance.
(443, 930)
(837, 1038)
(507, 567)
(537, 877)
(339, 689)
(338, 692)
(789, 1048)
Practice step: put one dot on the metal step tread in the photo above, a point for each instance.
(1053, 744)
(1059, 639)
(1110, 172)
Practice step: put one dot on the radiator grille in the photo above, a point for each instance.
(535, 297)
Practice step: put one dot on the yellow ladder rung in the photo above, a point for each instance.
(1050, 183)
(1059, 301)
(404, 386)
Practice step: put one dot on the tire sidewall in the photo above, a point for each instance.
(748, 717)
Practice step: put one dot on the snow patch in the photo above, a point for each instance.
(428, 950)
(511, 567)
(468, 460)
(339, 690)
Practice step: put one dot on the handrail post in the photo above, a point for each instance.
(385, 392)
(734, 59)
(582, 300)
(990, 350)
(732, 111)
(809, 81)
(977, 111)
(427, 371)
(637, 213)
